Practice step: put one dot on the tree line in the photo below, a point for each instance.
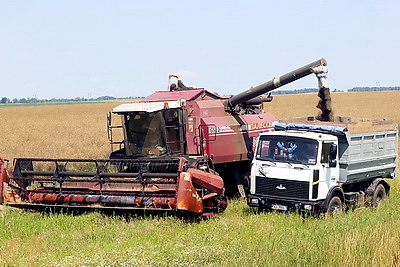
(354, 89)
(299, 91)
(369, 89)
(6, 100)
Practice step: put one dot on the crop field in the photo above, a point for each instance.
(239, 236)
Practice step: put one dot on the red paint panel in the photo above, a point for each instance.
(259, 123)
(187, 197)
(211, 108)
(113, 200)
(174, 95)
(207, 180)
(229, 144)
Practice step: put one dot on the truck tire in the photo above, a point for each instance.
(378, 196)
(335, 206)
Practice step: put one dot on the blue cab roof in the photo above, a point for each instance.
(328, 129)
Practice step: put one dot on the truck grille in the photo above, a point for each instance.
(282, 188)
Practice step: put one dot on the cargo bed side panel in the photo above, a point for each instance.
(366, 155)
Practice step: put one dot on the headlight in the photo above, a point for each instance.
(254, 201)
(307, 207)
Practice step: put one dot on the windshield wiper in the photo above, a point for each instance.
(268, 160)
(298, 162)
(268, 163)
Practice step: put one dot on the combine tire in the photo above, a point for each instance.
(378, 196)
(335, 206)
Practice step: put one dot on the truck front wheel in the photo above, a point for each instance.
(335, 206)
(378, 196)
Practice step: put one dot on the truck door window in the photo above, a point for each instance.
(263, 149)
(325, 152)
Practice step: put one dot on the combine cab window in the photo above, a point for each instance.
(153, 134)
(144, 134)
(283, 148)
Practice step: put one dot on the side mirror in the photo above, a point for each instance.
(333, 151)
(332, 155)
(250, 148)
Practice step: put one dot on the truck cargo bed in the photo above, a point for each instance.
(368, 147)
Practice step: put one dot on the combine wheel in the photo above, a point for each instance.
(335, 206)
(378, 196)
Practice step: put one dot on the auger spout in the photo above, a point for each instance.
(318, 67)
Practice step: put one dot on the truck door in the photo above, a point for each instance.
(329, 171)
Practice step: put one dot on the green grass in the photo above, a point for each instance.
(239, 236)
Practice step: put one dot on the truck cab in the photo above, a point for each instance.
(293, 169)
(318, 167)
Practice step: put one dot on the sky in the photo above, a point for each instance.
(121, 48)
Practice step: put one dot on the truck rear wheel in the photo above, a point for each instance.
(378, 196)
(335, 206)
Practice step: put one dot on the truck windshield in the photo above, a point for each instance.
(285, 148)
(153, 134)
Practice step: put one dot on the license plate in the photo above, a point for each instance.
(278, 207)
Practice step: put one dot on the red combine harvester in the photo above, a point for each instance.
(183, 150)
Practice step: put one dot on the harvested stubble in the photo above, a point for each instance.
(373, 105)
(59, 131)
